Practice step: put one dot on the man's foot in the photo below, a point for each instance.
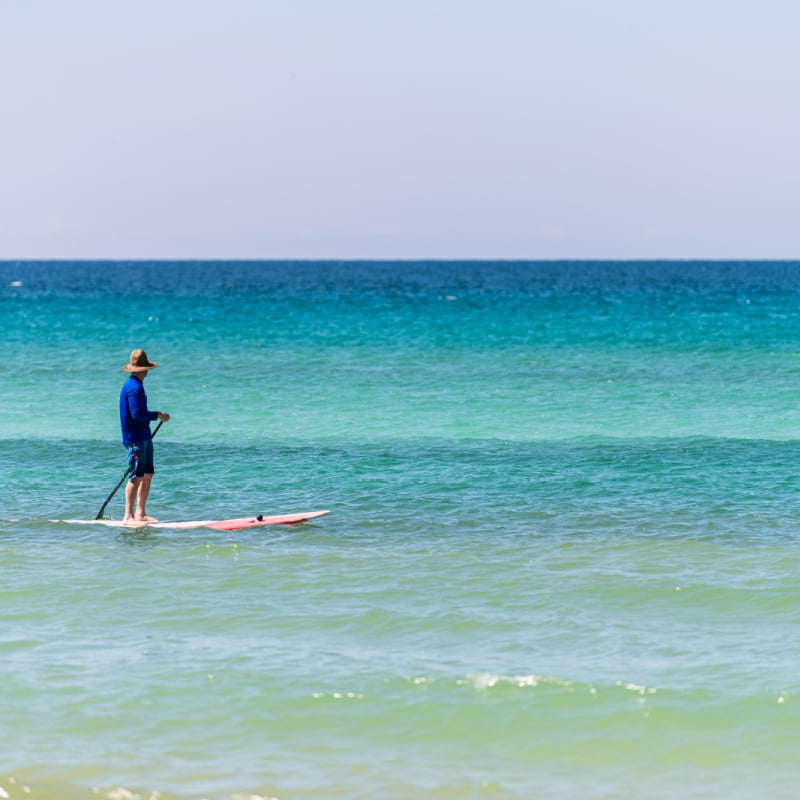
(131, 522)
(145, 518)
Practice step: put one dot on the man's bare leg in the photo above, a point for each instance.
(136, 493)
(131, 490)
(142, 490)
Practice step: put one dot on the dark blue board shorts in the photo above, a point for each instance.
(140, 458)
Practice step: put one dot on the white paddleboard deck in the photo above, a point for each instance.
(237, 524)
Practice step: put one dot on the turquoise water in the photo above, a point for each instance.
(561, 561)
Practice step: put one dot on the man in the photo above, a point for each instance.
(135, 420)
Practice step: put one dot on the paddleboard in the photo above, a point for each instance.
(215, 524)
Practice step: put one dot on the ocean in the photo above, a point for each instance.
(562, 559)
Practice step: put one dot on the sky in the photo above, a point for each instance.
(399, 129)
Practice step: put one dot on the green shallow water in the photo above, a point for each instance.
(561, 559)
(337, 660)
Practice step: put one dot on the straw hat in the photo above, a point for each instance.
(139, 362)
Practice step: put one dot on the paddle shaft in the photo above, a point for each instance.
(122, 479)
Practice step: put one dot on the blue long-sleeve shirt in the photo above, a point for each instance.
(134, 416)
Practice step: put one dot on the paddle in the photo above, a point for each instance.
(122, 480)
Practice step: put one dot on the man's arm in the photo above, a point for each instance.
(137, 404)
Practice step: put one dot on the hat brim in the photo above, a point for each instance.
(137, 368)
